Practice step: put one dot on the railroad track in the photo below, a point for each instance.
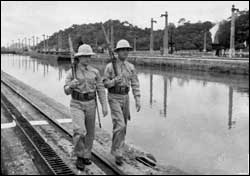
(49, 157)
(51, 161)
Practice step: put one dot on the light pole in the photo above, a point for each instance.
(112, 34)
(22, 44)
(135, 44)
(205, 42)
(232, 34)
(29, 42)
(37, 38)
(165, 39)
(44, 46)
(19, 45)
(13, 44)
(152, 37)
(47, 43)
(25, 42)
(33, 37)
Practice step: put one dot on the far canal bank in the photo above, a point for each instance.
(206, 63)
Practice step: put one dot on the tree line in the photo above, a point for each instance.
(184, 36)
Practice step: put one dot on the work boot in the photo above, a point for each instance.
(118, 160)
(87, 161)
(80, 164)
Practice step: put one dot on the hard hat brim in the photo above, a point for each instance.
(116, 49)
(84, 54)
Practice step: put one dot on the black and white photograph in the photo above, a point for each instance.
(124, 87)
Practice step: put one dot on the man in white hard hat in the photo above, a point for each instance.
(118, 88)
(83, 104)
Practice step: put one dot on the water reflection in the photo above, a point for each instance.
(165, 96)
(230, 109)
(63, 66)
(60, 69)
(151, 90)
(201, 111)
(25, 62)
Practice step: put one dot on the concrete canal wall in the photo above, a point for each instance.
(207, 63)
(102, 142)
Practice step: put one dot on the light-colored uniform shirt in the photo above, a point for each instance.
(90, 81)
(128, 74)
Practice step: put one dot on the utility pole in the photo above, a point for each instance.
(22, 44)
(96, 42)
(19, 44)
(135, 44)
(25, 41)
(13, 44)
(33, 37)
(152, 37)
(232, 34)
(37, 38)
(59, 42)
(47, 43)
(112, 34)
(205, 42)
(165, 38)
(29, 42)
(44, 46)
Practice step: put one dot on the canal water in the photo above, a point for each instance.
(195, 121)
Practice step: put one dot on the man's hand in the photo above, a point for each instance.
(104, 111)
(138, 106)
(118, 79)
(74, 83)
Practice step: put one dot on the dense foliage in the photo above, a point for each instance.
(185, 36)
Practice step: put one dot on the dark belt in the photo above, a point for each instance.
(83, 96)
(123, 90)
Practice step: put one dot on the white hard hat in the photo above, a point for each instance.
(84, 50)
(122, 44)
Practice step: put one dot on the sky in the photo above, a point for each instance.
(24, 19)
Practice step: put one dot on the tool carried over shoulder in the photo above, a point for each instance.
(73, 64)
(111, 53)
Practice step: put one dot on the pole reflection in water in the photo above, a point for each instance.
(165, 96)
(26, 63)
(13, 61)
(230, 108)
(34, 65)
(151, 89)
(204, 113)
(37, 66)
(60, 72)
(30, 63)
(44, 70)
(19, 63)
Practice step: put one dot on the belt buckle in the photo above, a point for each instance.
(122, 89)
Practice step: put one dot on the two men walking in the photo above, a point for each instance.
(83, 103)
